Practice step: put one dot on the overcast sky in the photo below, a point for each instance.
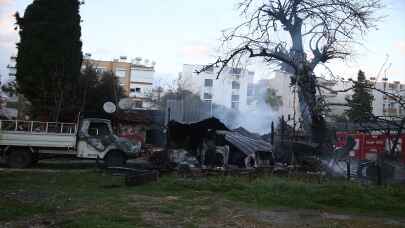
(174, 32)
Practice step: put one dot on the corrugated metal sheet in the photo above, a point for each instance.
(246, 144)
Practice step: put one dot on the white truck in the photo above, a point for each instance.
(23, 143)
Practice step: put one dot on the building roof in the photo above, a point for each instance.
(245, 144)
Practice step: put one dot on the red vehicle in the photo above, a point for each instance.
(369, 145)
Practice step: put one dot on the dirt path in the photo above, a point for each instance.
(209, 212)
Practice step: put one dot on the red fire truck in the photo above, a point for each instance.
(369, 145)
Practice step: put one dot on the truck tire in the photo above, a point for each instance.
(19, 159)
(115, 158)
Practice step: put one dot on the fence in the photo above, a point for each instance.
(38, 127)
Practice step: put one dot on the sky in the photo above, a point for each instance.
(177, 32)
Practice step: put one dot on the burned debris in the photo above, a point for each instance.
(214, 145)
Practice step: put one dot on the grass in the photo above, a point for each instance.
(95, 199)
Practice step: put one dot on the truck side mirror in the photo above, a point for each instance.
(93, 132)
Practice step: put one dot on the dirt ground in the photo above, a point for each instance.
(226, 214)
(141, 209)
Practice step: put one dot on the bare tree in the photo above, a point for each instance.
(300, 35)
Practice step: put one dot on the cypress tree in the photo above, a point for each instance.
(361, 102)
(49, 56)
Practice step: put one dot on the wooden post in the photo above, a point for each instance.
(272, 133)
(348, 169)
(167, 128)
(379, 174)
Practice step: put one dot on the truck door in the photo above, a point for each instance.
(94, 139)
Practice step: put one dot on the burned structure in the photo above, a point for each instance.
(214, 145)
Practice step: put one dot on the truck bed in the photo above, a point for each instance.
(37, 134)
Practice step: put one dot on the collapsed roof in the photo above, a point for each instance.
(246, 144)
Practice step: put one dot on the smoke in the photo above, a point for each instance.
(256, 118)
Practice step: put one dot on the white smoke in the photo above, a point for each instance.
(256, 119)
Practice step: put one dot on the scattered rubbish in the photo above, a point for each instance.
(209, 143)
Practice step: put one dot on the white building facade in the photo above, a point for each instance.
(383, 105)
(141, 85)
(12, 70)
(290, 104)
(229, 90)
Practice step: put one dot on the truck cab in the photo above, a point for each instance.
(96, 140)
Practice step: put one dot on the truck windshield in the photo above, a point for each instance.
(99, 129)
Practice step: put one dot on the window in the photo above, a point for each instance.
(138, 90)
(235, 97)
(100, 70)
(132, 90)
(99, 129)
(208, 82)
(235, 105)
(138, 104)
(119, 73)
(250, 90)
(250, 100)
(236, 71)
(207, 105)
(235, 85)
(207, 96)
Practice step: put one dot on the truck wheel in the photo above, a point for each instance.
(35, 159)
(115, 158)
(19, 159)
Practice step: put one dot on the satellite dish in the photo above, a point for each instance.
(125, 104)
(109, 107)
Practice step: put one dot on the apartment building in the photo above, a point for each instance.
(289, 96)
(10, 102)
(136, 77)
(383, 105)
(229, 90)
(12, 70)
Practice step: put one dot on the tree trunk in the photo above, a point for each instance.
(59, 104)
(393, 149)
(311, 114)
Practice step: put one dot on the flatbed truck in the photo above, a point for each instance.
(22, 143)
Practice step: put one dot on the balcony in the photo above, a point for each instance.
(391, 111)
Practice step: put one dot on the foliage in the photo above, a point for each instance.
(178, 91)
(361, 102)
(95, 89)
(339, 118)
(273, 99)
(49, 56)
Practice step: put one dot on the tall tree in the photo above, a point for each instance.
(361, 102)
(94, 89)
(49, 55)
(300, 35)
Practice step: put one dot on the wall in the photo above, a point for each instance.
(221, 89)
